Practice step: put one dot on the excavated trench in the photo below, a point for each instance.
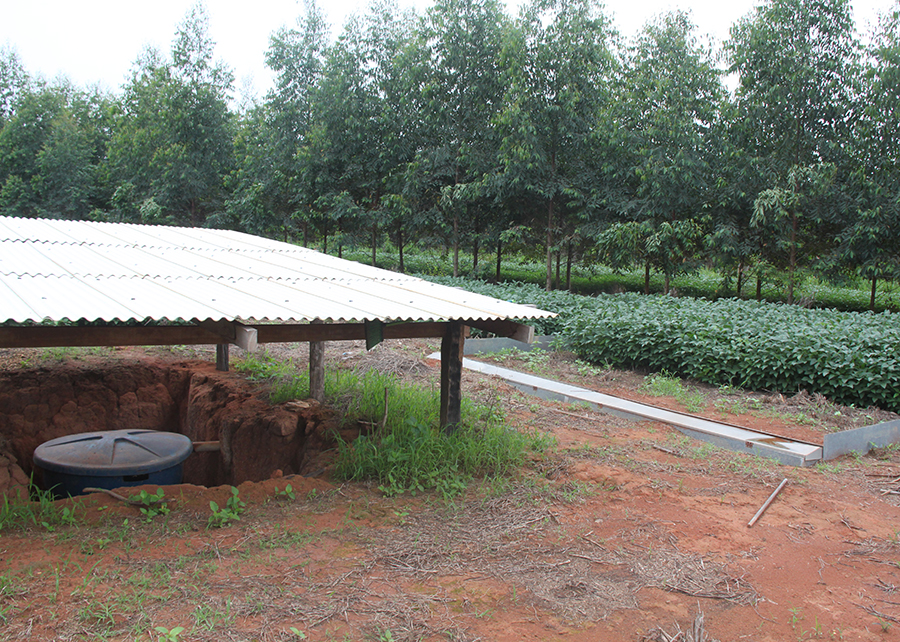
(255, 439)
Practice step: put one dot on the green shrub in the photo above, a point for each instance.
(852, 358)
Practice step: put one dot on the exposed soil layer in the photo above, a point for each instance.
(623, 531)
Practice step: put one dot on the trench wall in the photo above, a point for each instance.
(190, 398)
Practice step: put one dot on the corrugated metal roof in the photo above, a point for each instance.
(72, 270)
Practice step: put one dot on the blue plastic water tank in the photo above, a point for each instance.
(111, 459)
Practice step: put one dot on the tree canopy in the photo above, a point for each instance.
(468, 128)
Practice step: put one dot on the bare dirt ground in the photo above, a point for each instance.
(624, 531)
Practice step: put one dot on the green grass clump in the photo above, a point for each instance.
(406, 451)
(415, 457)
(662, 384)
(19, 513)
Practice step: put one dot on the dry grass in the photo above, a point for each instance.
(694, 633)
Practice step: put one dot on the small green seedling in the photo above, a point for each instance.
(229, 513)
(169, 635)
(300, 635)
(287, 493)
(66, 518)
(153, 504)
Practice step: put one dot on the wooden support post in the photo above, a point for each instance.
(222, 357)
(451, 375)
(317, 368)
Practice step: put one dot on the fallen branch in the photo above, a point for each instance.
(666, 450)
(121, 498)
(762, 509)
(882, 616)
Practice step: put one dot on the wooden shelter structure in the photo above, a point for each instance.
(79, 283)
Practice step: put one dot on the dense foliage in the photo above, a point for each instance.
(546, 134)
(850, 357)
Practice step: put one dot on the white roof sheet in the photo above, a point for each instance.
(71, 270)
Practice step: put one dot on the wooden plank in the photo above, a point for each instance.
(83, 336)
(310, 332)
(224, 329)
(61, 336)
(452, 346)
(346, 332)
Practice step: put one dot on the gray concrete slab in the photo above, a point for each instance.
(724, 435)
(860, 440)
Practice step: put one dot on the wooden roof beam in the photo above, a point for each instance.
(84, 336)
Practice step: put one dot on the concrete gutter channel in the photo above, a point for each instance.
(786, 451)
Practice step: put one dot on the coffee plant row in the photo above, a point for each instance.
(850, 357)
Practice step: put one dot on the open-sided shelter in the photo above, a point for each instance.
(78, 283)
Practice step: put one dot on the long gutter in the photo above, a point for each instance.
(787, 451)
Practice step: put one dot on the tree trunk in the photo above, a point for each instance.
(874, 290)
(793, 258)
(647, 277)
(666, 283)
(400, 246)
(325, 241)
(374, 242)
(557, 280)
(569, 267)
(455, 245)
(475, 256)
(740, 277)
(758, 286)
(305, 233)
(549, 283)
(499, 258)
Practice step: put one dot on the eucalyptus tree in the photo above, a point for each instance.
(268, 190)
(52, 151)
(297, 56)
(457, 83)
(253, 202)
(22, 138)
(559, 61)
(14, 81)
(356, 146)
(172, 148)
(795, 60)
(868, 243)
(670, 101)
(67, 177)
